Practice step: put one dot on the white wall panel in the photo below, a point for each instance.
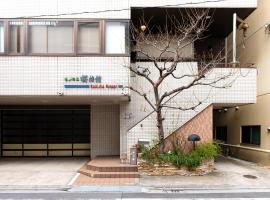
(46, 75)
(196, 3)
(241, 89)
(32, 8)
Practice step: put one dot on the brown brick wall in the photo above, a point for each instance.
(201, 124)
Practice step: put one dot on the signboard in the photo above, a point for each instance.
(89, 81)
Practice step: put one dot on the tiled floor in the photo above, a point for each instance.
(112, 161)
(107, 171)
(86, 180)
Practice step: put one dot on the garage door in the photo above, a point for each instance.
(45, 132)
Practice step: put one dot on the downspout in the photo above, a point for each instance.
(234, 38)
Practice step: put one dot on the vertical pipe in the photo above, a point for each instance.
(234, 38)
(226, 51)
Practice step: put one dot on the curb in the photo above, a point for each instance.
(34, 187)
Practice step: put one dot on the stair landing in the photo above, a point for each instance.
(109, 167)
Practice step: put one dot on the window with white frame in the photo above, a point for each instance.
(50, 37)
(116, 38)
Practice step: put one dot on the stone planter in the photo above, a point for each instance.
(170, 170)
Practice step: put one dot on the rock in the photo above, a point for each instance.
(170, 170)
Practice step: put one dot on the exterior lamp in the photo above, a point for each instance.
(143, 28)
(194, 138)
(267, 27)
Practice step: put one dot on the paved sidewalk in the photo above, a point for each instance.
(38, 172)
(229, 173)
(86, 180)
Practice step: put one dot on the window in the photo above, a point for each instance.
(221, 133)
(116, 38)
(251, 135)
(2, 37)
(16, 37)
(51, 37)
(54, 37)
(88, 37)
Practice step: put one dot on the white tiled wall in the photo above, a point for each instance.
(99, 9)
(196, 3)
(241, 88)
(86, 8)
(45, 75)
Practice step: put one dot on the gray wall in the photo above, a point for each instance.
(105, 130)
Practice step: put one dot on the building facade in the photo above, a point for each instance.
(246, 128)
(64, 77)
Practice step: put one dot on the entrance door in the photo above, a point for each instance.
(45, 132)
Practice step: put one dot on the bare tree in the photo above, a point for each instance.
(164, 47)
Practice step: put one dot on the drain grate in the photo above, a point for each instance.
(250, 176)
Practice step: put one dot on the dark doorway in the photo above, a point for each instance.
(45, 132)
(221, 133)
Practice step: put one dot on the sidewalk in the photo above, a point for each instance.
(229, 174)
(38, 173)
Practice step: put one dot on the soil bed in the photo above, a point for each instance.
(150, 169)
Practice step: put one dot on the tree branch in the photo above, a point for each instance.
(144, 96)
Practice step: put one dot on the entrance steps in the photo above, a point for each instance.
(109, 167)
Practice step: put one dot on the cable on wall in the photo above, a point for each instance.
(120, 10)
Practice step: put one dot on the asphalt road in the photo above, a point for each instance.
(87, 195)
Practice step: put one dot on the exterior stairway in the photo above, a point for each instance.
(109, 167)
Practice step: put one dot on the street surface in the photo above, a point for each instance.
(49, 195)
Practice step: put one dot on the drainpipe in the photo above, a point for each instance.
(226, 52)
(234, 38)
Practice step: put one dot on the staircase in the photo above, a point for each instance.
(109, 167)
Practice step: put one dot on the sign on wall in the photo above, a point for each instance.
(89, 81)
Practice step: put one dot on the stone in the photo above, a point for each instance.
(168, 169)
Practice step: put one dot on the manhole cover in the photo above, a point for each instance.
(250, 176)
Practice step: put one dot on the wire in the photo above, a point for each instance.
(120, 10)
(250, 36)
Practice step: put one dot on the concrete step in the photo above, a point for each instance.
(96, 174)
(112, 168)
(110, 164)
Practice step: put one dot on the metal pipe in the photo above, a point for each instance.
(234, 37)
(226, 51)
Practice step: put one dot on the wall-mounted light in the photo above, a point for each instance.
(128, 116)
(237, 108)
(268, 128)
(267, 28)
(143, 28)
(60, 93)
(225, 109)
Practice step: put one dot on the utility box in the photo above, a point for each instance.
(133, 156)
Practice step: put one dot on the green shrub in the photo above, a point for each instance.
(179, 159)
(150, 154)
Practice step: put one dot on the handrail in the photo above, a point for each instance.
(244, 147)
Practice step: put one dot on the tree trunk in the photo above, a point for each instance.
(159, 120)
(160, 131)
